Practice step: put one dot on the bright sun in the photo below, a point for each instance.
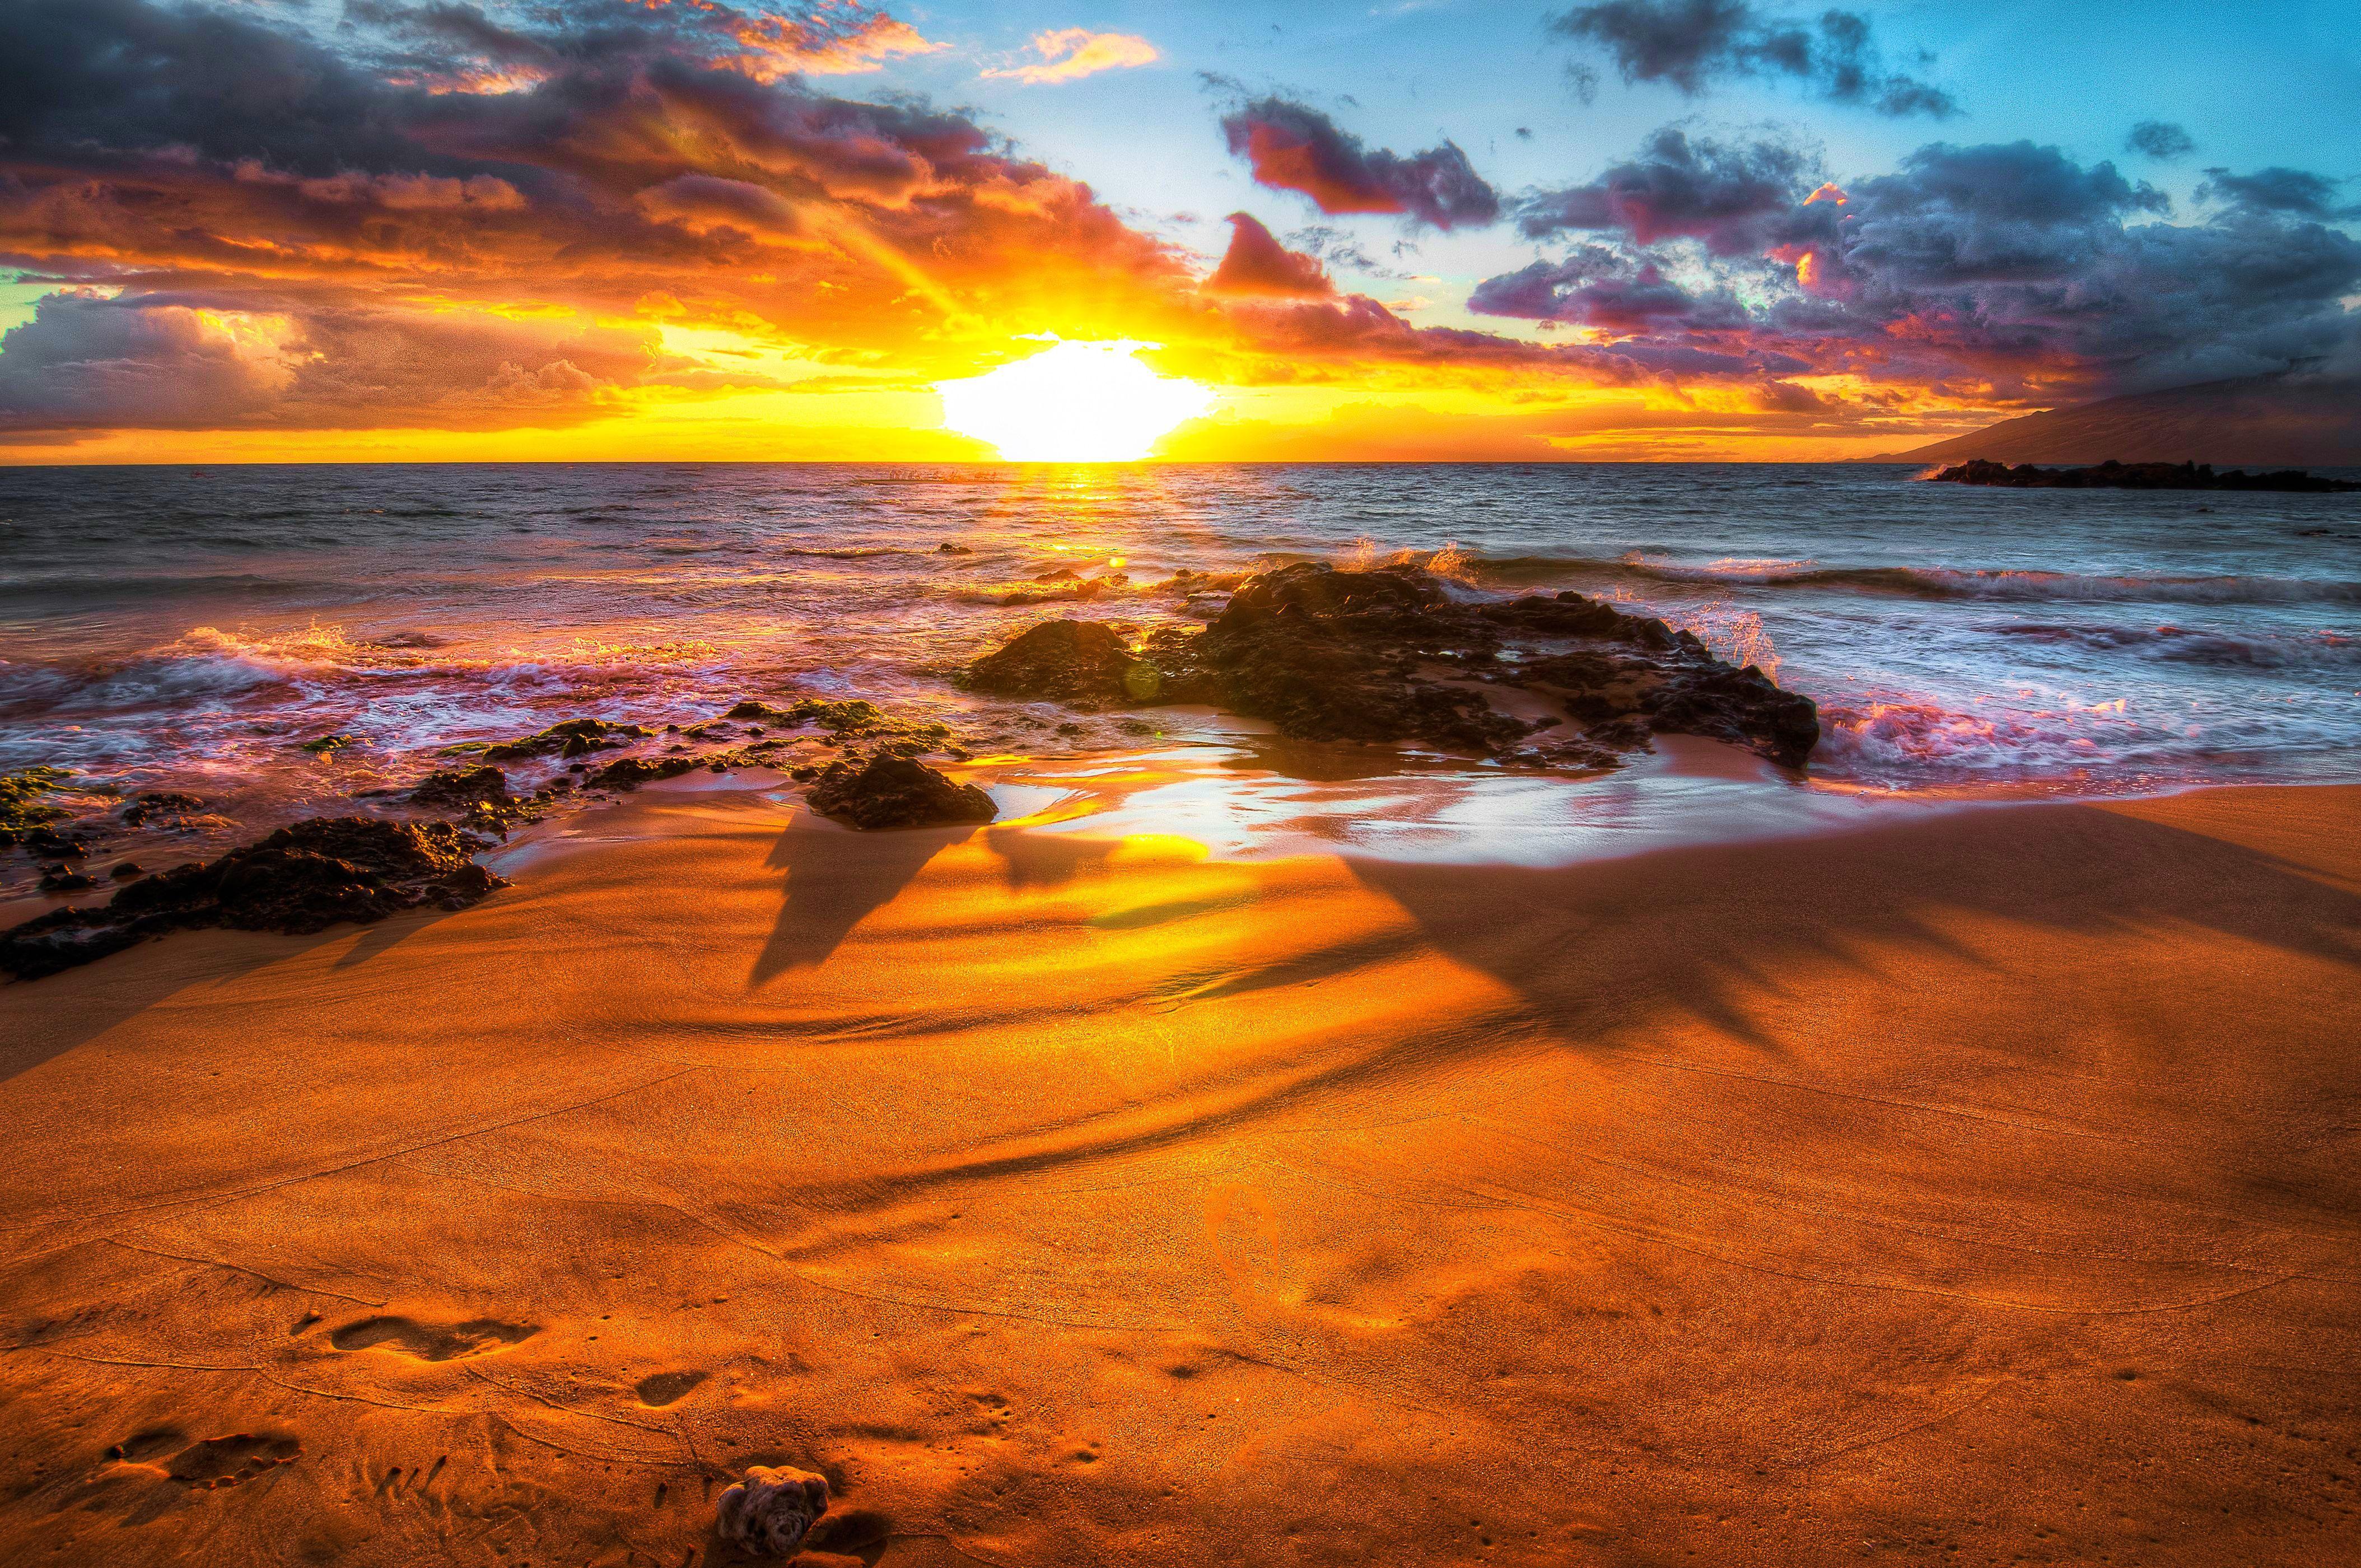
(1075, 402)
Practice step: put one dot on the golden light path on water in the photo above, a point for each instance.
(1072, 403)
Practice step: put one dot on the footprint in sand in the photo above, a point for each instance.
(214, 1462)
(431, 1341)
(665, 1388)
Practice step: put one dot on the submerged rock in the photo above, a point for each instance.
(298, 880)
(2114, 476)
(1392, 653)
(164, 808)
(771, 1512)
(895, 792)
(1076, 662)
(574, 737)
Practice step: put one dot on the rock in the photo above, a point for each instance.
(2114, 476)
(1082, 662)
(65, 879)
(125, 870)
(1395, 653)
(298, 880)
(21, 810)
(325, 745)
(771, 1512)
(58, 843)
(948, 548)
(574, 737)
(895, 792)
(630, 772)
(840, 718)
(461, 789)
(161, 809)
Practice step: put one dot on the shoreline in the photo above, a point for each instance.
(1978, 1176)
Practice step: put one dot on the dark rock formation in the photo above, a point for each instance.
(301, 879)
(574, 737)
(895, 792)
(771, 1512)
(63, 878)
(1391, 654)
(1080, 663)
(630, 772)
(463, 789)
(2112, 476)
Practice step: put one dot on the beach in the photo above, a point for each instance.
(1974, 1182)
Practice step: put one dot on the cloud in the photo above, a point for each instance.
(1293, 146)
(2007, 267)
(2160, 139)
(88, 361)
(1257, 266)
(1070, 54)
(212, 158)
(1715, 193)
(2285, 190)
(1692, 45)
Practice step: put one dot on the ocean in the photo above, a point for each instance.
(190, 629)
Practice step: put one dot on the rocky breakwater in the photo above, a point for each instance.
(1396, 655)
(2112, 476)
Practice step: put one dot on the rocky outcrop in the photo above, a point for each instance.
(2112, 476)
(630, 772)
(463, 789)
(1394, 653)
(301, 879)
(771, 1511)
(888, 791)
(1079, 663)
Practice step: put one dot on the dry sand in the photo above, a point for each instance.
(1975, 1188)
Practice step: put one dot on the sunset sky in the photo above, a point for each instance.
(1422, 229)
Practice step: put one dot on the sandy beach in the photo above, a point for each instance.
(1969, 1186)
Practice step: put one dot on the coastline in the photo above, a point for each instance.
(1080, 1196)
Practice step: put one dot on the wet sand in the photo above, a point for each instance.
(1981, 1187)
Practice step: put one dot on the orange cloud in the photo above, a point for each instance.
(845, 44)
(1072, 53)
(1258, 266)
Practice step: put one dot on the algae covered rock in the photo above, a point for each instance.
(895, 792)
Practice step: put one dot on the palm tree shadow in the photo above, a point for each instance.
(835, 879)
(1599, 945)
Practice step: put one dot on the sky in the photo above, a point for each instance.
(370, 230)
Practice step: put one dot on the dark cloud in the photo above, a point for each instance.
(2285, 190)
(2160, 139)
(1693, 44)
(1601, 287)
(577, 160)
(2011, 267)
(1721, 195)
(1293, 146)
(192, 361)
(1258, 266)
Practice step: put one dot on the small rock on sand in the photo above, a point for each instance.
(895, 792)
(772, 1509)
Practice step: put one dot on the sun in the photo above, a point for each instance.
(1073, 402)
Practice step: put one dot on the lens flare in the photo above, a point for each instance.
(1074, 402)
